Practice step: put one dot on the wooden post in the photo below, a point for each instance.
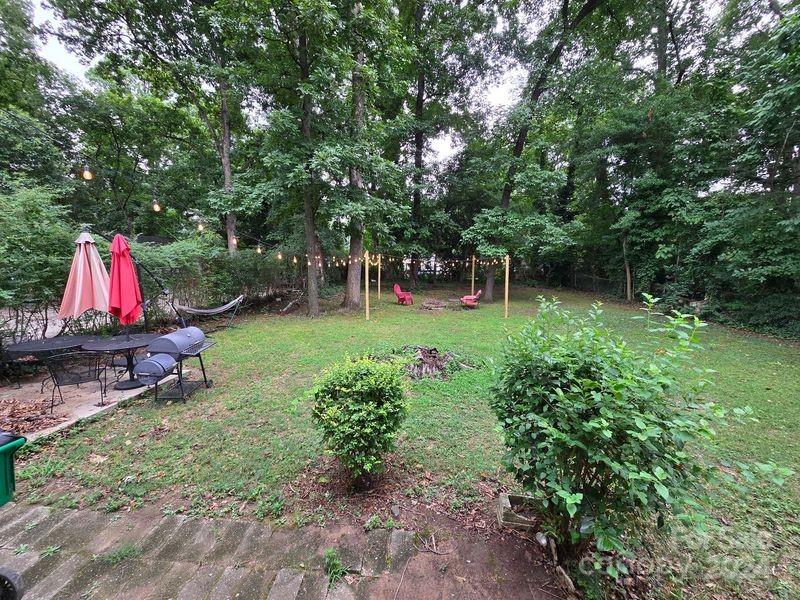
(472, 288)
(507, 264)
(379, 277)
(366, 282)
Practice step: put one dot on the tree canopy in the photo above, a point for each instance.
(652, 147)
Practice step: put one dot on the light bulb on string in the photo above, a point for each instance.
(280, 256)
(294, 259)
(200, 226)
(156, 205)
(86, 173)
(258, 249)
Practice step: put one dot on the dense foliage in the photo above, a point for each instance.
(601, 434)
(649, 148)
(35, 245)
(359, 407)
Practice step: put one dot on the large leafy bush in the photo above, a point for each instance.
(598, 432)
(359, 407)
(36, 246)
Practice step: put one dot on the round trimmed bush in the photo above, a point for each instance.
(359, 406)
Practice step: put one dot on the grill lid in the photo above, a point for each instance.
(154, 369)
(177, 342)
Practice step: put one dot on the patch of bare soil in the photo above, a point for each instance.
(18, 416)
(413, 499)
(457, 544)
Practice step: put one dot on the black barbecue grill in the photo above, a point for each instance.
(166, 354)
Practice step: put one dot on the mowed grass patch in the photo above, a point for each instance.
(231, 447)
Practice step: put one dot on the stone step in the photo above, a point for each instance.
(32, 517)
(180, 557)
(286, 585)
(54, 580)
(10, 514)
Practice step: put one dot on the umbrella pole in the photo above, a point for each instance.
(141, 291)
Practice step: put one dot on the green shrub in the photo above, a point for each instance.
(598, 432)
(36, 247)
(359, 407)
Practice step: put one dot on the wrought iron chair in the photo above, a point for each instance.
(13, 368)
(75, 368)
(10, 369)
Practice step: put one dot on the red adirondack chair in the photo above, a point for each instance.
(403, 298)
(471, 301)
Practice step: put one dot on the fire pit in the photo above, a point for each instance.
(428, 362)
(433, 305)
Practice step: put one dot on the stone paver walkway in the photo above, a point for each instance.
(84, 554)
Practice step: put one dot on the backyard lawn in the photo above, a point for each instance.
(239, 448)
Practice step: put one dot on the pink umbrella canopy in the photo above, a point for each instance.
(125, 295)
(87, 285)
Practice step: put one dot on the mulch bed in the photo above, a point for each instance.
(27, 416)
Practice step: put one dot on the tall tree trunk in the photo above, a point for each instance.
(419, 138)
(488, 290)
(352, 296)
(660, 41)
(565, 193)
(309, 204)
(225, 157)
(539, 80)
(628, 273)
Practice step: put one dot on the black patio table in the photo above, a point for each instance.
(60, 343)
(127, 344)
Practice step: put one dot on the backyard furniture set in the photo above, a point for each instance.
(77, 359)
(405, 298)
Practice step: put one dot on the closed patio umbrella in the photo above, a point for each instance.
(87, 285)
(125, 295)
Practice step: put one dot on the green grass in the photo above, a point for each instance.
(230, 450)
(118, 555)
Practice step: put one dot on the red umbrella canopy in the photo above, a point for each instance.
(125, 295)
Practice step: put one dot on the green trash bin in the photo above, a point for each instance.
(9, 443)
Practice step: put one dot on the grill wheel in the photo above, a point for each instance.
(10, 585)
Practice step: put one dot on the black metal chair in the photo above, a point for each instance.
(74, 368)
(12, 368)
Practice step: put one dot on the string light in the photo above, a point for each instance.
(280, 256)
(294, 259)
(200, 226)
(86, 173)
(156, 205)
(258, 249)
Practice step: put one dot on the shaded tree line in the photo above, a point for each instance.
(656, 144)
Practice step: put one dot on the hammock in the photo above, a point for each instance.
(233, 305)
